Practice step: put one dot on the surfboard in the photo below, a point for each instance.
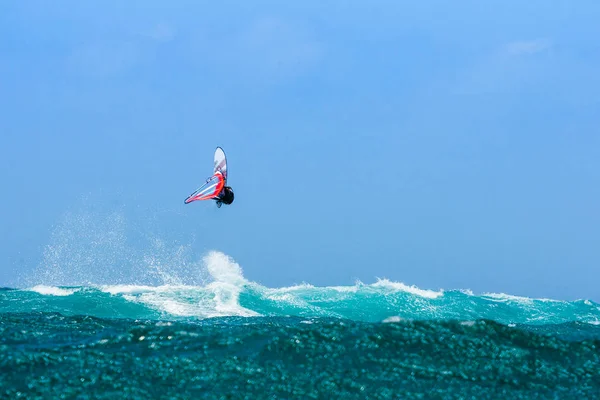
(214, 184)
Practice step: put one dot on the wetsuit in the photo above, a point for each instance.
(225, 197)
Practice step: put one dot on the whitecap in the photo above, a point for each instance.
(399, 286)
(508, 297)
(52, 290)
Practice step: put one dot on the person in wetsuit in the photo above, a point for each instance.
(225, 197)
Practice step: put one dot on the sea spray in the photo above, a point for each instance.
(91, 248)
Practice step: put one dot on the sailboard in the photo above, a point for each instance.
(214, 184)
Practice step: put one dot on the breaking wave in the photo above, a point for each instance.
(228, 293)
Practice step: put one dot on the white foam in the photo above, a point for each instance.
(126, 289)
(393, 319)
(294, 288)
(228, 283)
(202, 302)
(218, 298)
(509, 297)
(171, 306)
(545, 300)
(399, 286)
(519, 299)
(52, 290)
(226, 301)
(344, 289)
(139, 289)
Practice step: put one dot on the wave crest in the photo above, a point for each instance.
(228, 293)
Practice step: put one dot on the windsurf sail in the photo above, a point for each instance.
(213, 185)
(210, 190)
(220, 163)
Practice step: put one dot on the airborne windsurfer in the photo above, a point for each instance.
(215, 187)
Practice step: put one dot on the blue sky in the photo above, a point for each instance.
(441, 145)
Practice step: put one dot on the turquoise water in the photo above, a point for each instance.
(231, 338)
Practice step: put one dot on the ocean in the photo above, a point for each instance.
(231, 338)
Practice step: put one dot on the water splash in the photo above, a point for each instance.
(91, 248)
